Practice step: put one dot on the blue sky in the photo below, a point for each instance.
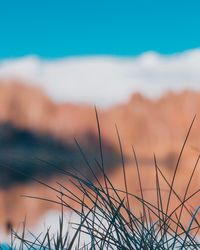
(60, 28)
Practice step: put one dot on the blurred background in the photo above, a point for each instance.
(136, 61)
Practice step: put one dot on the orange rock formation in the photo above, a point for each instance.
(150, 126)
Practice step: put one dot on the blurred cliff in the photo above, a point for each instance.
(33, 128)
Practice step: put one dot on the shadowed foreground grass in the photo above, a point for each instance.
(106, 216)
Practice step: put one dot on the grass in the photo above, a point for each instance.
(106, 214)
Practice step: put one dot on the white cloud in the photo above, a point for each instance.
(105, 81)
